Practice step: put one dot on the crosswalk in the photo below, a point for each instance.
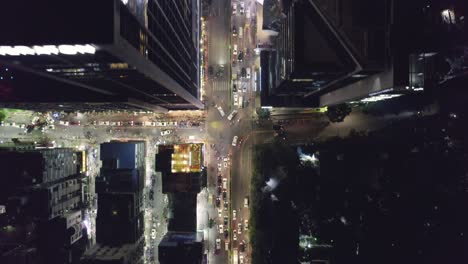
(220, 86)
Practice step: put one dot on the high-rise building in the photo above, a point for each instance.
(330, 52)
(42, 198)
(181, 247)
(49, 178)
(97, 55)
(119, 222)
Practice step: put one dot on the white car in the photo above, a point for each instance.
(225, 164)
(64, 123)
(234, 215)
(165, 132)
(242, 6)
(225, 183)
(234, 9)
(246, 202)
(234, 236)
(232, 115)
(220, 213)
(221, 229)
(234, 50)
(234, 141)
(247, 12)
(246, 224)
(153, 233)
(241, 259)
(218, 244)
(226, 245)
(248, 72)
(221, 112)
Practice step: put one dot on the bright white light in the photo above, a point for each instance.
(23, 50)
(124, 2)
(380, 97)
(47, 50)
(448, 16)
(67, 49)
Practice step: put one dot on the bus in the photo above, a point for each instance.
(235, 256)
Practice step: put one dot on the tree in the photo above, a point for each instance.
(263, 113)
(337, 113)
(2, 115)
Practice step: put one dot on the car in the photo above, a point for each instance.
(210, 70)
(248, 72)
(220, 190)
(234, 141)
(234, 31)
(75, 123)
(241, 259)
(240, 57)
(234, 214)
(247, 13)
(64, 123)
(234, 87)
(239, 228)
(232, 115)
(246, 202)
(234, 236)
(221, 229)
(225, 164)
(165, 132)
(153, 233)
(224, 195)
(241, 32)
(131, 123)
(246, 224)
(242, 8)
(226, 205)
(234, 9)
(218, 202)
(218, 244)
(226, 220)
(226, 245)
(220, 166)
(220, 110)
(220, 180)
(226, 158)
(243, 72)
(225, 183)
(220, 213)
(242, 246)
(226, 233)
(234, 50)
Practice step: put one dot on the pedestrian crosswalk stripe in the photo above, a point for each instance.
(220, 86)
